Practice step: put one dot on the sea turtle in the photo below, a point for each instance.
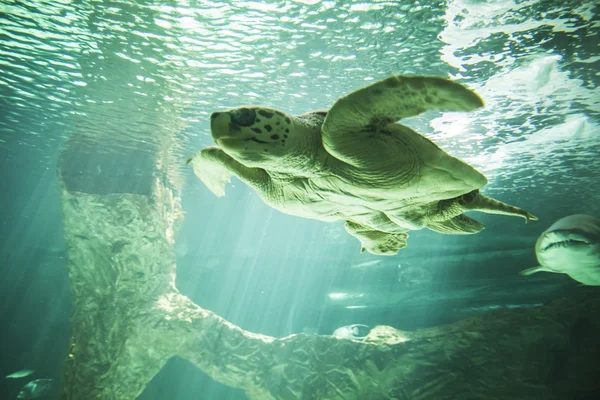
(355, 163)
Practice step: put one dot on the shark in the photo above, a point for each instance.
(570, 246)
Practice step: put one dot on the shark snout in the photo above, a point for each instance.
(571, 246)
(563, 239)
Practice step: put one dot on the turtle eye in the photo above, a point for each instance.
(243, 117)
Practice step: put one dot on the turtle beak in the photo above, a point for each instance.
(220, 125)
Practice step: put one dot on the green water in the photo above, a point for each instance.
(128, 77)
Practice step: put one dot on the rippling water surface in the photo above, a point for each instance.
(134, 73)
(129, 78)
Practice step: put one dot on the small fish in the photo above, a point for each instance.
(366, 264)
(570, 246)
(20, 374)
(35, 389)
(354, 332)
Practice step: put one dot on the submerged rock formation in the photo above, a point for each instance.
(129, 319)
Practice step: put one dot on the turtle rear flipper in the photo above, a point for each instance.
(459, 225)
(377, 242)
(475, 201)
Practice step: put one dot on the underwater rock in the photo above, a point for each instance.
(129, 320)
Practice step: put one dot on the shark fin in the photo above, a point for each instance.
(529, 271)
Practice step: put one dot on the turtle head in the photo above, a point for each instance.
(261, 137)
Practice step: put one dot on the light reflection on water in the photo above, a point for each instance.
(133, 74)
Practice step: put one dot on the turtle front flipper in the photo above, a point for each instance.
(215, 168)
(390, 100)
(377, 242)
(459, 225)
(475, 201)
